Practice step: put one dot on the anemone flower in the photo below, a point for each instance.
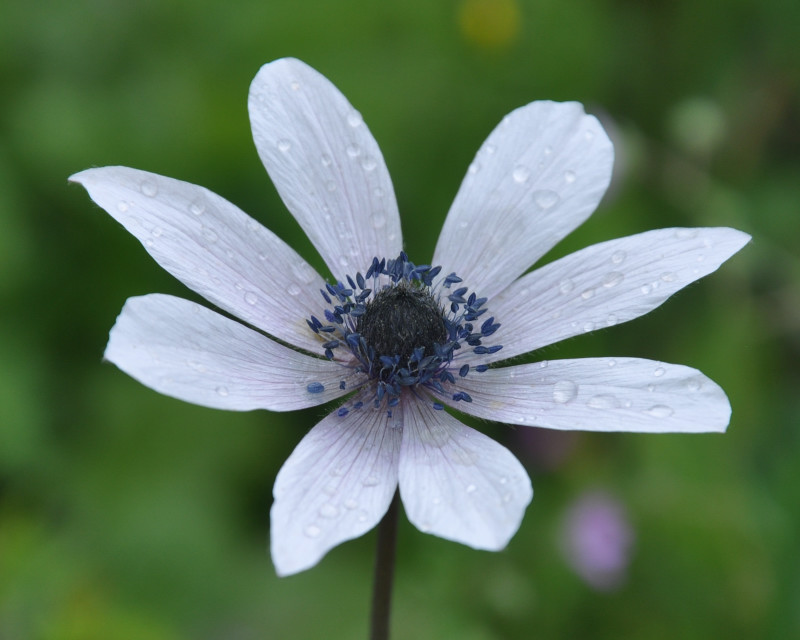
(400, 345)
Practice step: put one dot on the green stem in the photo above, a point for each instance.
(384, 573)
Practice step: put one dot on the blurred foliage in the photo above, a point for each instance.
(124, 514)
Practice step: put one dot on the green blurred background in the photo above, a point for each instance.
(128, 515)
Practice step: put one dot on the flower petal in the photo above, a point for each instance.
(538, 176)
(457, 483)
(599, 394)
(336, 485)
(326, 165)
(606, 284)
(183, 350)
(214, 248)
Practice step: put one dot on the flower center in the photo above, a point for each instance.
(401, 331)
(402, 319)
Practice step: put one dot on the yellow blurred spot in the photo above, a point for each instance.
(489, 24)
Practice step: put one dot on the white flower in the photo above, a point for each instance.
(539, 175)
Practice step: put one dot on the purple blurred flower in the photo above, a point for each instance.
(597, 540)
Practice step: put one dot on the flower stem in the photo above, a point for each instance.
(384, 573)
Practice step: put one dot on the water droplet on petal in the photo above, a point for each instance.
(521, 174)
(209, 234)
(293, 289)
(378, 219)
(435, 435)
(668, 276)
(157, 232)
(659, 372)
(612, 363)
(350, 504)
(686, 233)
(353, 150)
(612, 279)
(569, 176)
(197, 208)
(660, 411)
(149, 188)
(603, 401)
(330, 185)
(564, 391)
(122, 206)
(283, 145)
(611, 320)
(328, 511)
(326, 160)
(370, 481)
(694, 385)
(588, 293)
(222, 391)
(646, 289)
(618, 257)
(473, 168)
(312, 531)
(589, 135)
(566, 285)
(369, 163)
(354, 119)
(490, 149)
(471, 488)
(546, 199)
(250, 298)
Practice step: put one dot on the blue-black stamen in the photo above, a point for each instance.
(402, 331)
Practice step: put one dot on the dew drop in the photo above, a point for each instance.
(353, 150)
(354, 119)
(471, 488)
(646, 289)
(618, 257)
(222, 391)
(566, 285)
(612, 279)
(588, 326)
(295, 85)
(326, 160)
(612, 363)
(350, 504)
(435, 435)
(490, 149)
(659, 372)
(589, 135)
(149, 242)
(603, 401)
(328, 511)
(611, 320)
(122, 206)
(546, 199)
(209, 234)
(668, 276)
(660, 411)
(157, 232)
(312, 531)
(330, 185)
(377, 192)
(473, 168)
(543, 364)
(521, 174)
(197, 208)
(569, 176)
(370, 481)
(368, 163)
(343, 261)
(283, 145)
(250, 298)
(378, 219)
(293, 289)
(149, 188)
(686, 233)
(564, 391)
(588, 293)
(693, 385)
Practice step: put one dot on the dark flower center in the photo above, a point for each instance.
(401, 319)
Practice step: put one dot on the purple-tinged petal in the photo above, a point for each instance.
(326, 165)
(599, 394)
(183, 350)
(605, 284)
(214, 248)
(336, 485)
(538, 176)
(457, 483)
